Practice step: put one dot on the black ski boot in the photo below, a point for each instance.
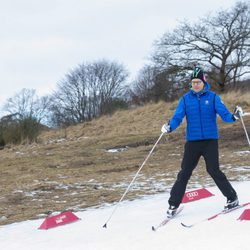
(171, 211)
(231, 203)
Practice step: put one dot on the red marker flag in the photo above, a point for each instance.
(58, 220)
(196, 195)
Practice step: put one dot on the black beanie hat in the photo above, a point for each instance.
(198, 73)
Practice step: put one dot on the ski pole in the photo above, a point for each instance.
(243, 124)
(151, 151)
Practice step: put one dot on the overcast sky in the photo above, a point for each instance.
(41, 40)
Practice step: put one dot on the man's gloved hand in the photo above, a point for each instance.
(166, 128)
(238, 112)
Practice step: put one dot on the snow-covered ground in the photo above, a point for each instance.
(130, 227)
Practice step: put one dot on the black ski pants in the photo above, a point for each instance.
(192, 153)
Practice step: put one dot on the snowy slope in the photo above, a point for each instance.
(130, 228)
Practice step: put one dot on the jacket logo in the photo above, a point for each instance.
(207, 102)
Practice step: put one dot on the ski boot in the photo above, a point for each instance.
(171, 211)
(231, 203)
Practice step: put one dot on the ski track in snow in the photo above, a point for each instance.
(130, 227)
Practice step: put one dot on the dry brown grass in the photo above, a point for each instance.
(237, 98)
(71, 169)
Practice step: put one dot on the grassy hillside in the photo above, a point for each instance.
(72, 169)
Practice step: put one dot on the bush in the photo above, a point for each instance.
(17, 131)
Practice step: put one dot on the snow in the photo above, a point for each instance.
(130, 227)
(117, 150)
(241, 153)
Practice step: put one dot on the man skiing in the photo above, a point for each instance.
(200, 106)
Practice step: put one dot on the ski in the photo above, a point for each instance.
(166, 220)
(216, 215)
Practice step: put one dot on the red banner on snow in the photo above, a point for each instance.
(58, 220)
(245, 215)
(196, 195)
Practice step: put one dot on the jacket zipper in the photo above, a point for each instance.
(202, 134)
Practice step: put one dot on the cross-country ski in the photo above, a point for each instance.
(167, 220)
(215, 215)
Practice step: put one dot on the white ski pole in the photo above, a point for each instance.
(151, 151)
(243, 124)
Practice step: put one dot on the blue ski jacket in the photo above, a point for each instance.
(201, 111)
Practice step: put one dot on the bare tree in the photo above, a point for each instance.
(141, 91)
(26, 104)
(106, 83)
(25, 112)
(221, 43)
(153, 84)
(87, 92)
(68, 103)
